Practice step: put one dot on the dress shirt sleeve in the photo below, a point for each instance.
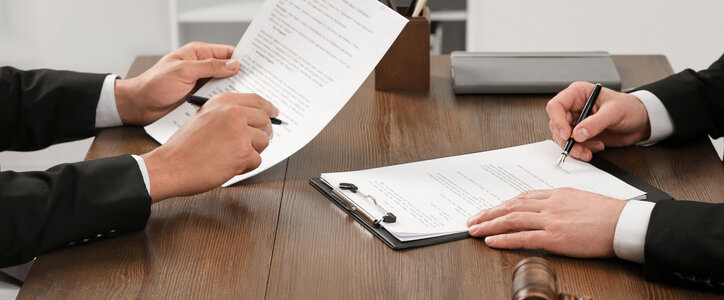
(662, 126)
(144, 172)
(630, 235)
(107, 111)
(107, 116)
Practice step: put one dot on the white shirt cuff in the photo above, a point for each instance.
(144, 172)
(662, 127)
(630, 236)
(107, 111)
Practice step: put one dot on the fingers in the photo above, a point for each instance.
(561, 107)
(259, 140)
(252, 163)
(256, 101)
(203, 51)
(535, 194)
(534, 239)
(584, 151)
(196, 69)
(521, 203)
(605, 117)
(558, 125)
(254, 109)
(259, 119)
(515, 221)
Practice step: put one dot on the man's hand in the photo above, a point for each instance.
(564, 221)
(616, 120)
(223, 139)
(144, 99)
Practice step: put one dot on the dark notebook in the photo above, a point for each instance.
(530, 73)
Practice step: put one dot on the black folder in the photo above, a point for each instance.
(652, 194)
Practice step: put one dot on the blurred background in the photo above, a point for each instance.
(105, 36)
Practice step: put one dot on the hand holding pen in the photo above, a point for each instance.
(200, 101)
(584, 114)
(616, 120)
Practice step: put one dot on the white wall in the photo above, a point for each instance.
(84, 35)
(105, 36)
(689, 32)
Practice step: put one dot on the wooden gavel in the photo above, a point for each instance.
(535, 279)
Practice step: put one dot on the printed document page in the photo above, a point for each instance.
(436, 197)
(306, 57)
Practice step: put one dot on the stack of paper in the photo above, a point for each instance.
(436, 197)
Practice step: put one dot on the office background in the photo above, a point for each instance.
(105, 36)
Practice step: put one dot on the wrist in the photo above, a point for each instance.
(126, 91)
(643, 117)
(160, 174)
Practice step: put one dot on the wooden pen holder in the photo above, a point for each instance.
(406, 66)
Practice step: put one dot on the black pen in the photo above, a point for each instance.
(199, 101)
(411, 8)
(584, 114)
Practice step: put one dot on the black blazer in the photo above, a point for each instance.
(69, 203)
(685, 240)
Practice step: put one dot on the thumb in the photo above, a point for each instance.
(211, 67)
(596, 123)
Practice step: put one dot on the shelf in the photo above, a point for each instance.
(233, 12)
(448, 15)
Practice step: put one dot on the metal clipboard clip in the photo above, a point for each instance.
(386, 217)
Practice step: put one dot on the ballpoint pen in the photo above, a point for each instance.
(584, 114)
(198, 100)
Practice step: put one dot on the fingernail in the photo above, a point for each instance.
(583, 134)
(489, 240)
(276, 111)
(231, 65)
(470, 221)
(562, 133)
(474, 230)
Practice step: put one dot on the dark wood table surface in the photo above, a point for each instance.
(274, 236)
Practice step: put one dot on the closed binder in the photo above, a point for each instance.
(652, 194)
(530, 73)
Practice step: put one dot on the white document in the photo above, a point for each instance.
(436, 197)
(306, 57)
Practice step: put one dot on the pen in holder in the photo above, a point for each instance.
(406, 66)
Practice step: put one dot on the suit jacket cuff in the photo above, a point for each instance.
(684, 242)
(69, 204)
(680, 94)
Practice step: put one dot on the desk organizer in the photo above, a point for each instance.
(406, 66)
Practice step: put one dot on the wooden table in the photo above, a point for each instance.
(274, 236)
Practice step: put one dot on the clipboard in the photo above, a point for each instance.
(653, 194)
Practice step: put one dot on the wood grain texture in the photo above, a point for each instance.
(216, 245)
(276, 237)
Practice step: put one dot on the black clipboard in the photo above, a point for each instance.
(653, 194)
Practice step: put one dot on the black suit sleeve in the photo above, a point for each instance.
(685, 239)
(695, 101)
(68, 204)
(685, 244)
(41, 107)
